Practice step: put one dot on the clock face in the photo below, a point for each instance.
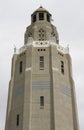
(18, 90)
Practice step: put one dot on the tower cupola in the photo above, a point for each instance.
(40, 15)
(41, 28)
(41, 89)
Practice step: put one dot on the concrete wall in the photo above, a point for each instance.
(59, 110)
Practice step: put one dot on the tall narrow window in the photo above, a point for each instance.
(41, 62)
(48, 18)
(62, 67)
(41, 101)
(21, 67)
(34, 18)
(17, 120)
(41, 16)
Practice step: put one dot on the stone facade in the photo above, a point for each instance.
(41, 30)
(41, 90)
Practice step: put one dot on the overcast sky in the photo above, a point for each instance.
(68, 17)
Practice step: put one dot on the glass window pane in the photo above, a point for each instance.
(41, 100)
(41, 16)
(34, 18)
(41, 58)
(41, 62)
(17, 120)
(48, 18)
(21, 67)
(62, 67)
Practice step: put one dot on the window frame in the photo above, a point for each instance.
(62, 67)
(48, 17)
(41, 62)
(34, 18)
(41, 16)
(18, 120)
(41, 101)
(20, 67)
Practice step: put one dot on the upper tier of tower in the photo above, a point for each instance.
(41, 28)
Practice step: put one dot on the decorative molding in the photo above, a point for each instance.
(42, 44)
(27, 69)
(41, 85)
(56, 69)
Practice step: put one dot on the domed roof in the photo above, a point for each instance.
(41, 9)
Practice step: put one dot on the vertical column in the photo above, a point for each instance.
(28, 91)
(9, 104)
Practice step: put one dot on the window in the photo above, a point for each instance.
(62, 67)
(41, 16)
(48, 18)
(34, 18)
(41, 101)
(41, 49)
(41, 62)
(17, 120)
(21, 67)
(42, 34)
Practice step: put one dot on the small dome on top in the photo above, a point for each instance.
(41, 28)
(41, 9)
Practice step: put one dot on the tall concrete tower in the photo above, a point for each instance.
(41, 90)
